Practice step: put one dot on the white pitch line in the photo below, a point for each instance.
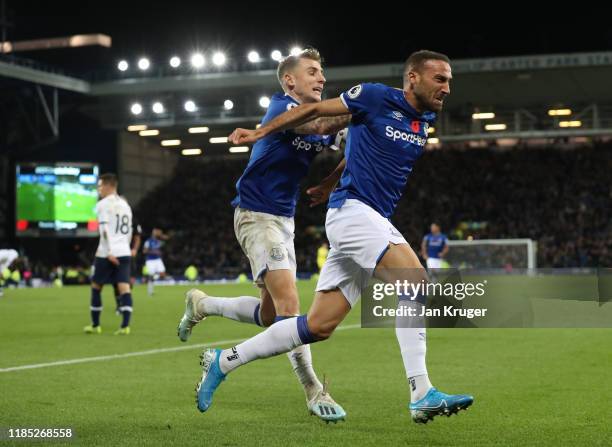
(103, 358)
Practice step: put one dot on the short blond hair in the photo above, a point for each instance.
(290, 62)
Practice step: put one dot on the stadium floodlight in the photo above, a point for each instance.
(433, 140)
(194, 151)
(253, 57)
(171, 143)
(238, 149)
(575, 123)
(499, 126)
(148, 133)
(123, 65)
(175, 61)
(559, 112)
(190, 106)
(228, 104)
(202, 129)
(218, 59)
(276, 55)
(136, 127)
(136, 108)
(158, 107)
(217, 140)
(197, 60)
(264, 102)
(295, 51)
(483, 116)
(144, 63)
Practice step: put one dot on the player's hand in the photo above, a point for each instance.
(133, 252)
(244, 136)
(113, 259)
(320, 194)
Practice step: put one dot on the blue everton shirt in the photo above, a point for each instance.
(435, 243)
(386, 136)
(271, 181)
(153, 247)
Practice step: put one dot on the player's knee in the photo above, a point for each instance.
(286, 303)
(321, 330)
(267, 317)
(123, 287)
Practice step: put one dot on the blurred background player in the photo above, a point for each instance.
(152, 249)
(322, 253)
(264, 221)
(113, 257)
(135, 246)
(191, 273)
(7, 258)
(434, 247)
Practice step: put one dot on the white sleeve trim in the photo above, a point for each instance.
(344, 101)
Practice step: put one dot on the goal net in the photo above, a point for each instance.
(508, 254)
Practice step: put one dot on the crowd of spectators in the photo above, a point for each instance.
(562, 198)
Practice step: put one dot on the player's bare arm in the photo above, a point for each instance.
(293, 118)
(320, 193)
(424, 250)
(104, 234)
(444, 251)
(136, 240)
(324, 126)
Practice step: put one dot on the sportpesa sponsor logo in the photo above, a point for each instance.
(395, 135)
(305, 145)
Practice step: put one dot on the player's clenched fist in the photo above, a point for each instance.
(243, 136)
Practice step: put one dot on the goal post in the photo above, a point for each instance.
(493, 253)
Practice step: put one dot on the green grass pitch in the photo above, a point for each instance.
(531, 386)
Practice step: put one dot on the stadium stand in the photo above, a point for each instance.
(559, 197)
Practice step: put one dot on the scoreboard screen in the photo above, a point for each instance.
(56, 199)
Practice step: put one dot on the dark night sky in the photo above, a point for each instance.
(345, 35)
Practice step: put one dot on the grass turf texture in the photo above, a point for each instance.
(532, 386)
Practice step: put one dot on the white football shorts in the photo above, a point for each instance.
(267, 240)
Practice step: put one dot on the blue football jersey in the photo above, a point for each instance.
(153, 247)
(386, 136)
(435, 243)
(271, 181)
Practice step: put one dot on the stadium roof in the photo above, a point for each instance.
(510, 86)
(508, 81)
(359, 44)
(346, 34)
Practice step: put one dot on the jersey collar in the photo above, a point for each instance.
(429, 117)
